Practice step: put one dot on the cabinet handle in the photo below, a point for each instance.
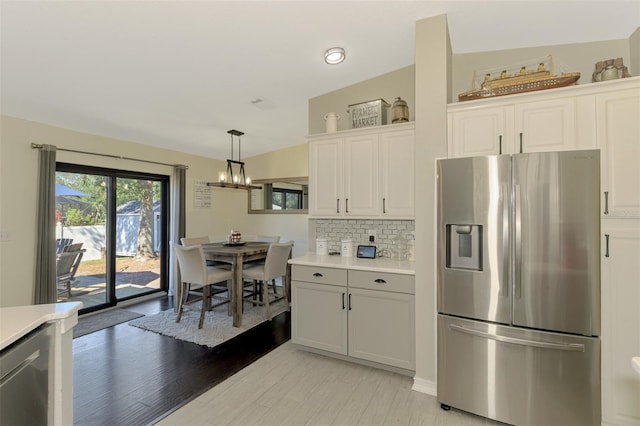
(606, 202)
(606, 250)
(520, 142)
(349, 301)
(318, 274)
(346, 204)
(337, 205)
(500, 141)
(384, 205)
(380, 281)
(343, 301)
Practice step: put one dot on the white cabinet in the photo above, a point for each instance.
(397, 176)
(619, 141)
(372, 317)
(363, 173)
(620, 321)
(525, 123)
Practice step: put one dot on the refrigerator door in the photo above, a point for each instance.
(556, 241)
(473, 237)
(518, 376)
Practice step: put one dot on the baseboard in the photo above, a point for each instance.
(425, 386)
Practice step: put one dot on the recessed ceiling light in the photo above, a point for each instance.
(334, 56)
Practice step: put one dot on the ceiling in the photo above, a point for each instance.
(179, 74)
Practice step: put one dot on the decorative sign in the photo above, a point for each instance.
(366, 114)
(201, 195)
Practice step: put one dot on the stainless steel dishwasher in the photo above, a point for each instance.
(26, 377)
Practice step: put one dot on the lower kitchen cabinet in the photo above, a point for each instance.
(620, 321)
(369, 316)
(318, 318)
(381, 327)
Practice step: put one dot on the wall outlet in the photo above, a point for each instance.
(372, 233)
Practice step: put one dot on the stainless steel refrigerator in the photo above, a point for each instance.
(519, 287)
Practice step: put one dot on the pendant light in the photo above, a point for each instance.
(234, 177)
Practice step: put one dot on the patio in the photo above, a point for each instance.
(133, 278)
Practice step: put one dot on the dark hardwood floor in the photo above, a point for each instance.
(124, 375)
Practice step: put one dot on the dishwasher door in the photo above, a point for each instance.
(26, 377)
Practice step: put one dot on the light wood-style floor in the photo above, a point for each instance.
(293, 387)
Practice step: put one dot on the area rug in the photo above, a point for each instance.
(92, 323)
(217, 327)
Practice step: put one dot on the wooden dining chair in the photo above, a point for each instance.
(275, 266)
(195, 275)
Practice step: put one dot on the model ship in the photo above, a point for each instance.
(522, 81)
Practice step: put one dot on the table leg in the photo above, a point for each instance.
(236, 297)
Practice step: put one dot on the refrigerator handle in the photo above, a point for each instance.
(517, 267)
(573, 347)
(506, 220)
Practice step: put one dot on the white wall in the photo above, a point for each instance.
(18, 185)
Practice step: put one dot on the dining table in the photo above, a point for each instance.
(236, 254)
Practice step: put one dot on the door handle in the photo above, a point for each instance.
(337, 205)
(318, 274)
(346, 204)
(343, 301)
(500, 144)
(380, 281)
(606, 202)
(606, 245)
(349, 301)
(573, 347)
(520, 142)
(384, 205)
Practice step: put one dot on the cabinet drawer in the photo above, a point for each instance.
(316, 274)
(398, 283)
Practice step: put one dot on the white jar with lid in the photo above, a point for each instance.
(346, 248)
(321, 246)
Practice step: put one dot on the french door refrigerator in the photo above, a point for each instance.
(519, 287)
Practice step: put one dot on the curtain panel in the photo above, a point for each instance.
(45, 274)
(178, 226)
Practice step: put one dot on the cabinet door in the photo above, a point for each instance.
(482, 131)
(360, 171)
(325, 177)
(548, 125)
(619, 141)
(620, 321)
(381, 327)
(397, 165)
(319, 316)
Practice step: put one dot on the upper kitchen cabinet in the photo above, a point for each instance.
(531, 122)
(618, 127)
(363, 173)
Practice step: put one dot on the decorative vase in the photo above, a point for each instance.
(331, 119)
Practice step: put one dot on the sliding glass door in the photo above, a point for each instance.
(115, 224)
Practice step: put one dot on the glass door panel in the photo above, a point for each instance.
(81, 230)
(138, 237)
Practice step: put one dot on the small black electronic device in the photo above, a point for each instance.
(366, 252)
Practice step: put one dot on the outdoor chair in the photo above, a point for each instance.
(275, 265)
(67, 264)
(195, 274)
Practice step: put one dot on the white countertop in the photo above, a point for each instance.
(17, 321)
(379, 264)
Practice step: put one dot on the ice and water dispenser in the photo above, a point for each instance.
(464, 247)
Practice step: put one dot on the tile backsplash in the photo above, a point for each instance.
(335, 230)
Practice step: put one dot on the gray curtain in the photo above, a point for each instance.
(178, 228)
(45, 281)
